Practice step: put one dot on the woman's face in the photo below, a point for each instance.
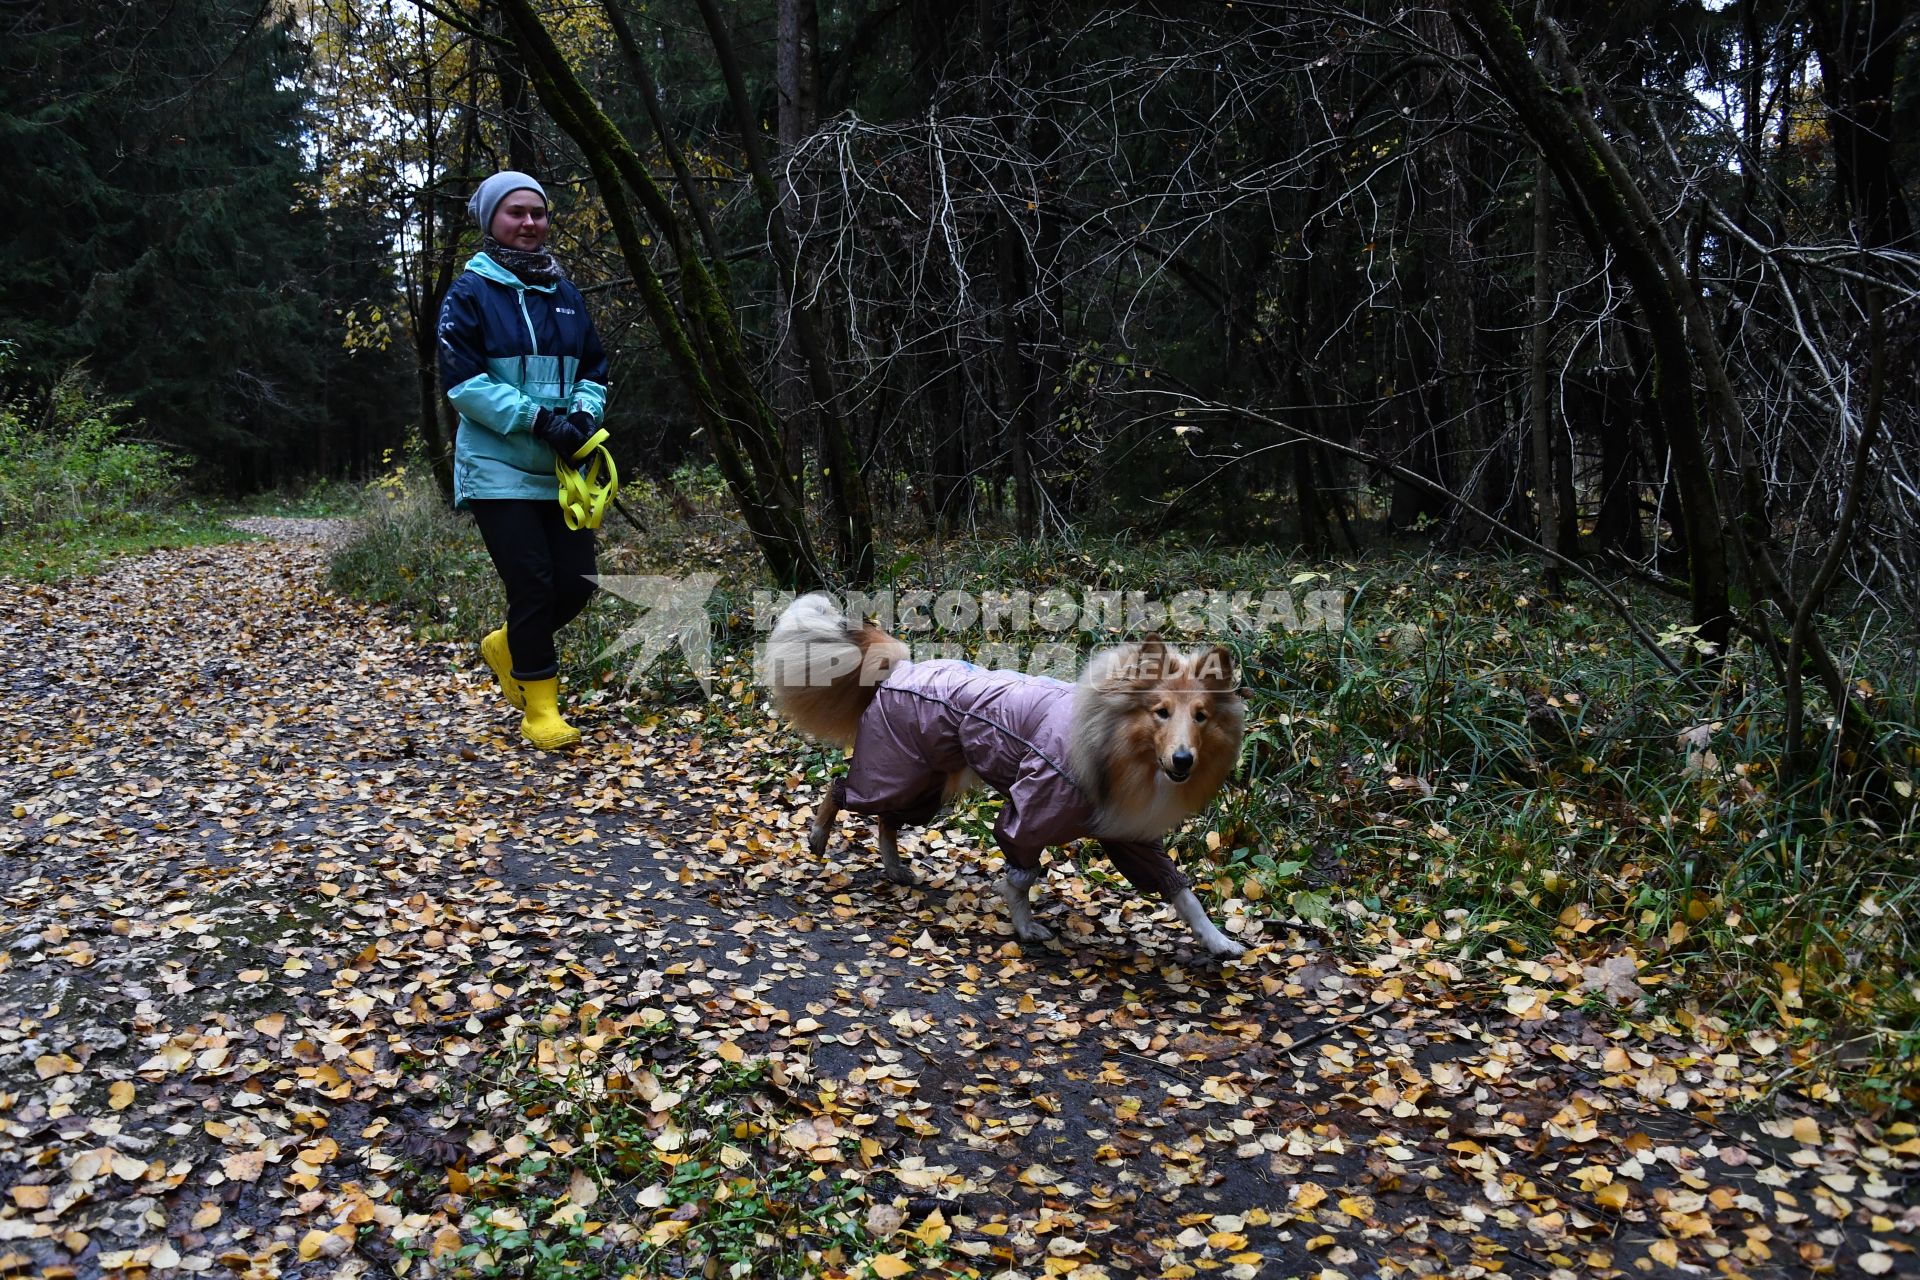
(520, 220)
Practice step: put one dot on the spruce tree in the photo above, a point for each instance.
(165, 231)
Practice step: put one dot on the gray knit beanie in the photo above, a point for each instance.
(494, 190)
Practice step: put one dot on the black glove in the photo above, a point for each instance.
(562, 435)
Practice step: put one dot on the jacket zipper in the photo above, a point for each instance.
(533, 340)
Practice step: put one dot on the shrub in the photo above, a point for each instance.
(71, 460)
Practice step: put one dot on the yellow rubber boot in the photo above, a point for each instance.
(542, 725)
(493, 647)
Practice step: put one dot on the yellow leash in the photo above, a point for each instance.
(586, 492)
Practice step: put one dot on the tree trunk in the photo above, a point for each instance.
(798, 82)
(840, 471)
(1617, 213)
(1018, 379)
(1545, 492)
(433, 273)
(516, 112)
(796, 43)
(1860, 47)
(1617, 527)
(703, 343)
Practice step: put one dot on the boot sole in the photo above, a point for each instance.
(569, 739)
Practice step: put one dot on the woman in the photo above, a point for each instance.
(520, 360)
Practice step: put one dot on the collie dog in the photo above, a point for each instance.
(1137, 745)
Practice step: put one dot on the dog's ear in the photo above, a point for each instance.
(1151, 662)
(1131, 666)
(1215, 671)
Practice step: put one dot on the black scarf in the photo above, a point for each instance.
(538, 266)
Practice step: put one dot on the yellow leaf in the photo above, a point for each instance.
(933, 1232)
(889, 1265)
(445, 1241)
(1612, 1196)
(1664, 1252)
(1806, 1131)
(731, 1052)
(1308, 1194)
(120, 1095)
(30, 1197)
(1527, 1005)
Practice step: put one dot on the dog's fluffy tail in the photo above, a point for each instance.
(824, 668)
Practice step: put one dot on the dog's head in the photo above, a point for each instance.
(1185, 706)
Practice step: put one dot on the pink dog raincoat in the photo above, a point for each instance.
(931, 719)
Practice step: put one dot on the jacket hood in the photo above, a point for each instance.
(482, 265)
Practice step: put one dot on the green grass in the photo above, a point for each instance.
(83, 546)
(1465, 758)
(322, 499)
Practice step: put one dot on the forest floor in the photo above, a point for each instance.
(312, 967)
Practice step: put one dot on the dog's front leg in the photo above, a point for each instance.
(1217, 943)
(891, 866)
(1014, 887)
(830, 805)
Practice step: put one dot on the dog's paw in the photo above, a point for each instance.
(817, 840)
(1226, 949)
(1032, 931)
(900, 873)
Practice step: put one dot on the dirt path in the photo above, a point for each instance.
(279, 879)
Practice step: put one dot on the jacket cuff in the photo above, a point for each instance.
(523, 416)
(592, 397)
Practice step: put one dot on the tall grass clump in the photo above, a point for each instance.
(1515, 774)
(414, 553)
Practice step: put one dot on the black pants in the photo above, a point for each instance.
(544, 565)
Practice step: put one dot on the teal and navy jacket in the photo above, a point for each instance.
(507, 350)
